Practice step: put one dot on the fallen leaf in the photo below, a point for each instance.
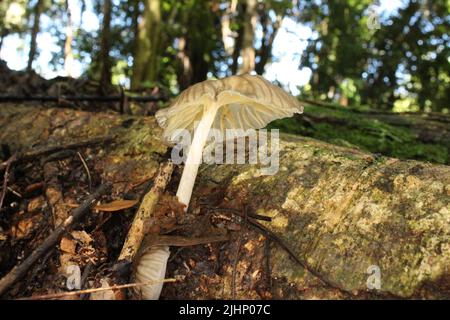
(82, 236)
(36, 203)
(23, 228)
(68, 245)
(116, 205)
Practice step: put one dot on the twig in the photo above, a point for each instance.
(37, 152)
(291, 253)
(5, 177)
(20, 270)
(112, 98)
(14, 192)
(87, 291)
(86, 168)
(143, 217)
(236, 259)
(271, 235)
(179, 241)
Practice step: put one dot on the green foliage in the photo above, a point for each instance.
(405, 58)
(14, 13)
(355, 129)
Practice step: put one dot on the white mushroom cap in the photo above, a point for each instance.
(245, 102)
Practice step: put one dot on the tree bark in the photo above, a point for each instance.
(344, 212)
(105, 59)
(227, 33)
(265, 52)
(185, 66)
(37, 11)
(248, 50)
(194, 51)
(145, 66)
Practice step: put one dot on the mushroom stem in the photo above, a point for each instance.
(194, 157)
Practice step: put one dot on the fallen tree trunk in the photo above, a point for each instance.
(353, 217)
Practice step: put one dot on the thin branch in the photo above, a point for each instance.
(5, 177)
(271, 235)
(86, 168)
(93, 290)
(180, 241)
(112, 98)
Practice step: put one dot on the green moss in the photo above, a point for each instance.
(350, 128)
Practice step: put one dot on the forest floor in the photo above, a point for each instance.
(39, 194)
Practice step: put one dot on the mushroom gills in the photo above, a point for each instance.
(151, 267)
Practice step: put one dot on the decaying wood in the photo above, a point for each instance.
(343, 212)
(143, 217)
(20, 270)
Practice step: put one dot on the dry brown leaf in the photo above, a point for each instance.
(82, 236)
(36, 204)
(23, 228)
(68, 245)
(116, 205)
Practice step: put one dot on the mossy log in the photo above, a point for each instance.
(343, 211)
(418, 136)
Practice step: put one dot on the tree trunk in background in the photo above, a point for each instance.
(82, 9)
(135, 22)
(248, 50)
(145, 66)
(68, 54)
(105, 60)
(194, 51)
(227, 33)
(37, 10)
(265, 52)
(237, 51)
(185, 66)
(2, 36)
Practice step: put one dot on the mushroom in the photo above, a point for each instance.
(151, 266)
(236, 102)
